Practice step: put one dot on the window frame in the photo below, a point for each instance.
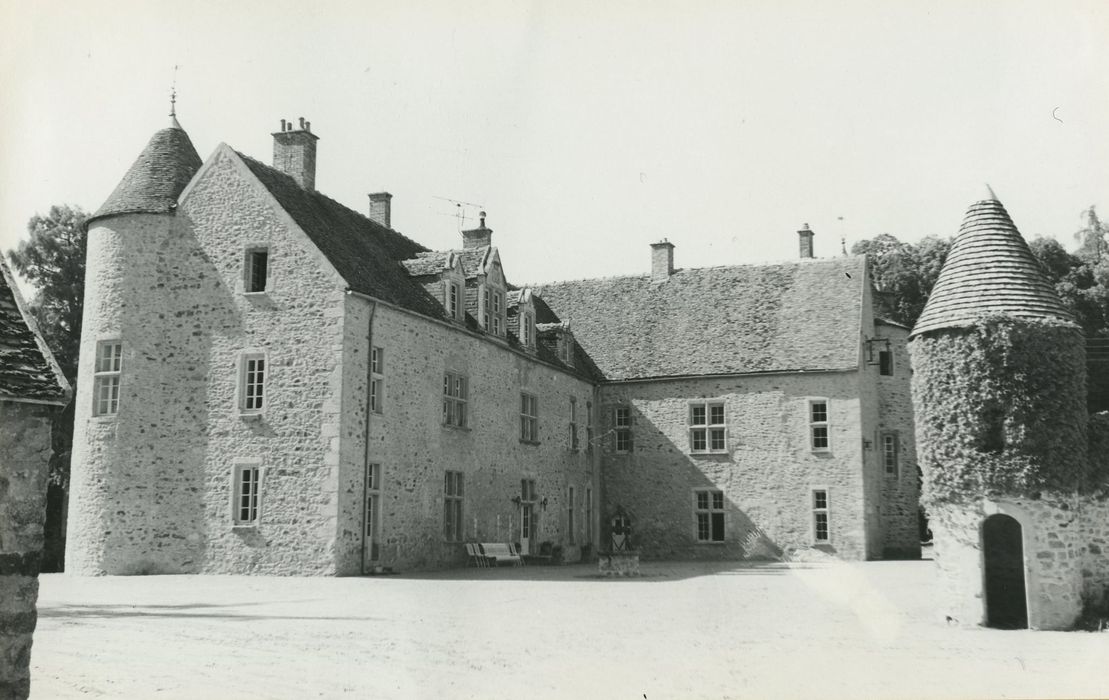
(709, 511)
(589, 427)
(254, 507)
(589, 514)
(890, 445)
(571, 531)
(885, 363)
(377, 379)
(454, 300)
(709, 428)
(244, 393)
(819, 425)
(456, 393)
(817, 512)
(110, 379)
(454, 498)
(527, 329)
(623, 430)
(529, 421)
(573, 427)
(498, 312)
(249, 270)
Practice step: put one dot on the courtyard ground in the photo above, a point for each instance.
(685, 630)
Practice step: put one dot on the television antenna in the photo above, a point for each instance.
(462, 211)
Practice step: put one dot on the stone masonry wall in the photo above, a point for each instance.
(414, 448)
(1064, 557)
(767, 475)
(900, 492)
(152, 487)
(24, 467)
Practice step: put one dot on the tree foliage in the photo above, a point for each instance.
(904, 273)
(53, 260)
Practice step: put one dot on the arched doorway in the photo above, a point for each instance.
(1003, 554)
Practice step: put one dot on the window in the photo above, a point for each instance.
(707, 432)
(588, 515)
(570, 515)
(106, 373)
(245, 509)
(498, 310)
(566, 345)
(622, 418)
(708, 505)
(528, 500)
(818, 425)
(454, 298)
(589, 427)
(529, 418)
(573, 423)
(253, 384)
(889, 453)
(255, 270)
(452, 506)
(486, 308)
(527, 330)
(373, 512)
(377, 379)
(454, 400)
(885, 362)
(820, 516)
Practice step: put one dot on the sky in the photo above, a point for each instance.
(586, 130)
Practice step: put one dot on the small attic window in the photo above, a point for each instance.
(256, 270)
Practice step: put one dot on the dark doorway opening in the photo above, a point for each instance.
(1003, 552)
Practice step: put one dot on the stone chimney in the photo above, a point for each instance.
(381, 208)
(662, 260)
(477, 237)
(294, 152)
(804, 237)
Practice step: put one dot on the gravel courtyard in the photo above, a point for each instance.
(685, 630)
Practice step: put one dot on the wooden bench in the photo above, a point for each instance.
(496, 552)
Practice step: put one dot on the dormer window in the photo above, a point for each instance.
(256, 270)
(498, 312)
(527, 330)
(454, 300)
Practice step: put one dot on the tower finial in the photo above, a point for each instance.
(990, 190)
(173, 102)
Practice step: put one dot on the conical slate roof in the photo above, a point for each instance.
(990, 270)
(156, 178)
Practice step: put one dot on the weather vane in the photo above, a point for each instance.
(173, 95)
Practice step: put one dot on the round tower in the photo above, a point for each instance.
(999, 394)
(119, 519)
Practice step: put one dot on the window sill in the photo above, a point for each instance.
(708, 453)
(528, 442)
(711, 544)
(251, 415)
(457, 428)
(244, 526)
(104, 417)
(822, 450)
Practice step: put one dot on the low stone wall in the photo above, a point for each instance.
(25, 446)
(1064, 540)
(618, 564)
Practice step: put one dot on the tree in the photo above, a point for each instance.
(1092, 244)
(903, 273)
(53, 260)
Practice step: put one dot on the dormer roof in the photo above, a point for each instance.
(430, 263)
(156, 178)
(28, 371)
(990, 270)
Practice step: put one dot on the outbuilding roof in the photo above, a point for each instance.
(795, 316)
(990, 270)
(156, 178)
(28, 371)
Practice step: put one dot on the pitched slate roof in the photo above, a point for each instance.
(28, 371)
(156, 178)
(989, 270)
(794, 316)
(365, 253)
(474, 260)
(428, 263)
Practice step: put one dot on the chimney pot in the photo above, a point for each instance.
(282, 124)
(381, 208)
(662, 260)
(479, 237)
(302, 123)
(308, 126)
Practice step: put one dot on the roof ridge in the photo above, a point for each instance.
(647, 275)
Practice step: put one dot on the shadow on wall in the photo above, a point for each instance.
(676, 500)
